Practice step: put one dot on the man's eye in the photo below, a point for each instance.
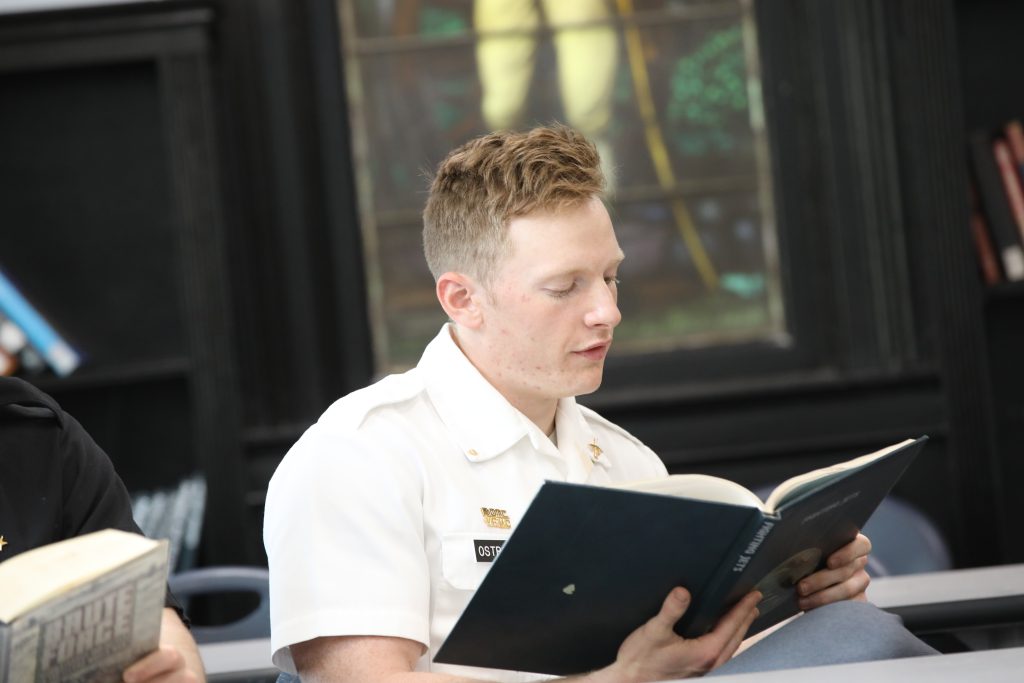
(613, 280)
(564, 292)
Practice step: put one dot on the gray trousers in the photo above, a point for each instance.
(839, 633)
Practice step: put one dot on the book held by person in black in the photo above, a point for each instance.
(587, 565)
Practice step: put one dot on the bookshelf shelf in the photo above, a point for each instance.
(88, 379)
(1006, 291)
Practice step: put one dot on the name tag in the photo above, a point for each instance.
(486, 551)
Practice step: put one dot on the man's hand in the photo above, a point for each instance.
(176, 660)
(844, 577)
(656, 652)
(165, 663)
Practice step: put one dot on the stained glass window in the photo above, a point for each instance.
(669, 90)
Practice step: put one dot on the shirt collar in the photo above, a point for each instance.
(576, 438)
(484, 424)
(480, 419)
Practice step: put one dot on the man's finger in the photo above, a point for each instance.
(858, 547)
(161, 660)
(736, 620)
(825, 578)
(672, 608)
(849, 589)
(737, 639)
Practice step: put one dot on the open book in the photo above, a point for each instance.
(587, 565)
(82, 609)
(704, 487)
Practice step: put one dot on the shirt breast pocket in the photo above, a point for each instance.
(466, 556)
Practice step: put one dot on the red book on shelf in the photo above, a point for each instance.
(994, 202)
(988, 262)
(1011, 181)
(1015, 138)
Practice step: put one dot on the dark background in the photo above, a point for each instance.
(177, 193)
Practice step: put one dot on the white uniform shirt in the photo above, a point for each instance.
(372, 516)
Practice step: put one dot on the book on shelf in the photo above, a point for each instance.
(8, 363)
(995, 203)
(82, 609)
(12, 339)
(12, 343)
(587, 565)
(988, 262)
(1010, 174)
(58, 354)
(1014, 133)
(981, 236)
(175, 514)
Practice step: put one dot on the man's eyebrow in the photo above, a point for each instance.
(572, 272)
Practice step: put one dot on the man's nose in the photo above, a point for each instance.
(604, 307)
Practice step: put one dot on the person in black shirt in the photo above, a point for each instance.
(57, 483)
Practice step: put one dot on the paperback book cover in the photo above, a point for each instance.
(81, 610)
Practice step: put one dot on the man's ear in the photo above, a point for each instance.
(459, 295)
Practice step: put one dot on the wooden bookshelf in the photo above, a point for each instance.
(1009, 291)
(987, 40)
(114, 230)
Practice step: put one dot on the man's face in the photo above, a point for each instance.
(551, 307)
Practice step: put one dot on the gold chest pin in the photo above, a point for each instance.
(595, 451)
(496, 518)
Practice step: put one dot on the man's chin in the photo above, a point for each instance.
(590, 385)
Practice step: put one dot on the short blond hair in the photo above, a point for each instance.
(485, 183)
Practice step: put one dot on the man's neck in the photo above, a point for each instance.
(540, 412)
(544, 420)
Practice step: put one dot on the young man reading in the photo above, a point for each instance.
(372, 517)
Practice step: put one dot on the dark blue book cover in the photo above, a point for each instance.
(587, 565)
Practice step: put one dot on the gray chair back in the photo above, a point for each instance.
(219, 580)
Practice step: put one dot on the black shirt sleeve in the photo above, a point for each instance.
(94, 496)
(55, 481)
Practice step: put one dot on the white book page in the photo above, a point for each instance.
(38, 575)
(796, 486)
(699, 486)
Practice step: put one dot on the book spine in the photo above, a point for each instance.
(1011, 182)
(194, 528)
(12, 339)
(123, 605)
(57, 352)
(12, 342)
(729, 574)
(8, 363)
(996, 205)
(988, 262)
(1015, 139)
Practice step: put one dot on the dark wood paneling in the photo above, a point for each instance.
(159, 387)
(931, 147)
